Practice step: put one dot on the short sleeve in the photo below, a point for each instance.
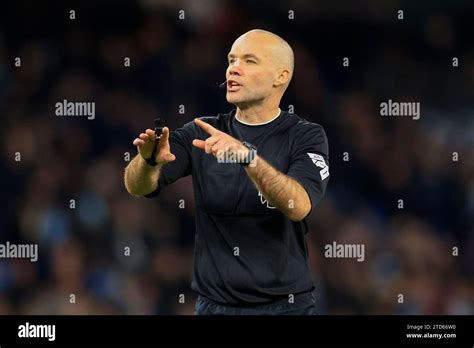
(180, 145)
(309, 161)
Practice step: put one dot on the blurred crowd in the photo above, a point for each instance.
(102, 251)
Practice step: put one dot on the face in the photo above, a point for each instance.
(251, 71)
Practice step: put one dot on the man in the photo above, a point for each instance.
(257, 174)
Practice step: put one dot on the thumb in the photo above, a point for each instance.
(170, 157)
(200, 144)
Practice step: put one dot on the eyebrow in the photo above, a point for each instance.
(249, 55)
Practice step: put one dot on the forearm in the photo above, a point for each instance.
(280, 190)
(140, 178)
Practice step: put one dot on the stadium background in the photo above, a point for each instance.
(178, 62)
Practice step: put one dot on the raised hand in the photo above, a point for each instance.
(219, 144)
(146, 142)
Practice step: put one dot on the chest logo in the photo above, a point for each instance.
(264, 201)
(319, 161)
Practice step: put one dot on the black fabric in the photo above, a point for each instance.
(246, 251)
(302, 304)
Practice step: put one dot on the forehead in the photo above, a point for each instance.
(254, 43)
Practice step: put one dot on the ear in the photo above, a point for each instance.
(282, 77)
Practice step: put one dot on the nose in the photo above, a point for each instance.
(234, 68)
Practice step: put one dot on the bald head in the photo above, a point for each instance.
(260, 68)
(279, 50)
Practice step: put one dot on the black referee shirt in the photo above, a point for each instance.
(246, 251)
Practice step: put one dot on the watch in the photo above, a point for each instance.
(250, 156)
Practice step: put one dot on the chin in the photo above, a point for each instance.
(233, 100)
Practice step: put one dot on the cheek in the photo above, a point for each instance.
(262, 81)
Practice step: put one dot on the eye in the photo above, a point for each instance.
(231, 60)
(250, 61)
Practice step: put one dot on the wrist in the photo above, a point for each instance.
(251, 156)
(150, 163)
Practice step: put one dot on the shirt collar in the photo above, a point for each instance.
(259, 124)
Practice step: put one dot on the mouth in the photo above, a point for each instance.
(233, 86)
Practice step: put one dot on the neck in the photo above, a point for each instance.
(258, 114)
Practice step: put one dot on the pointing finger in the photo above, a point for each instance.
(206, 127)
